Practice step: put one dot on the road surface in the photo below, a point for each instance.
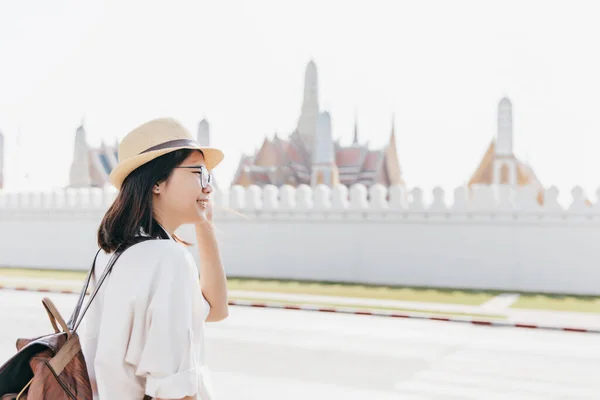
(297, 355)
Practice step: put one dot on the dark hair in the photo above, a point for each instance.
(132, 209)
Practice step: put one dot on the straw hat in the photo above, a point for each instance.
(153, 139)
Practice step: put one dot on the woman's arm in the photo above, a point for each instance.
(213, 280)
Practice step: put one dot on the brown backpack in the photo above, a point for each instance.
(52, 367)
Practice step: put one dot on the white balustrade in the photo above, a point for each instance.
(503, 237)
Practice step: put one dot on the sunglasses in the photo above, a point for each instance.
(205, 176)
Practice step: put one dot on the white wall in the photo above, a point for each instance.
(488, 238)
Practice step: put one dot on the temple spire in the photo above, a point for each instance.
(324, 170)
(79, 175)
(392, 162)
(204, 133)
(355, 141)
(505, 164)
(504, 139)
(311, 89)
(307, 123)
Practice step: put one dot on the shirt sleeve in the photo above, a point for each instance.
(206, 309)
(174, 330)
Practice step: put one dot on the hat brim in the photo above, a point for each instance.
(212, 157)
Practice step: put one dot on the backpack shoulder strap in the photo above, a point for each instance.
(86, 284)
(75, 319)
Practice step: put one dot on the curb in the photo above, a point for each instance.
(389, 314)
(354, 311)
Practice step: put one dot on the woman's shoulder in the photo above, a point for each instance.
(166, 254)
(157, 247)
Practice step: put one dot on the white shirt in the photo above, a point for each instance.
(144, 332)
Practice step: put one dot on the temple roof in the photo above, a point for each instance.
(280, 161)
(484, 172)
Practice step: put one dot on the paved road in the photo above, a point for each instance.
(276, 354)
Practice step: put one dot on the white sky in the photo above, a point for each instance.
(440, 66)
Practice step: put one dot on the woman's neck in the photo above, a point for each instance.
(167, 226)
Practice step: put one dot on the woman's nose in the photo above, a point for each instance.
(208, 189)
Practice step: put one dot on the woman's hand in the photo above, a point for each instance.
(205, 210)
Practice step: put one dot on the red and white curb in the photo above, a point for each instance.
(353, 311)
(414, 315)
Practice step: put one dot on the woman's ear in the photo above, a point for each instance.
(157, 188)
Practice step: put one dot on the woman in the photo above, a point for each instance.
(144, 331)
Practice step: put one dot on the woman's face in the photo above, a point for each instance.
(181, 197)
